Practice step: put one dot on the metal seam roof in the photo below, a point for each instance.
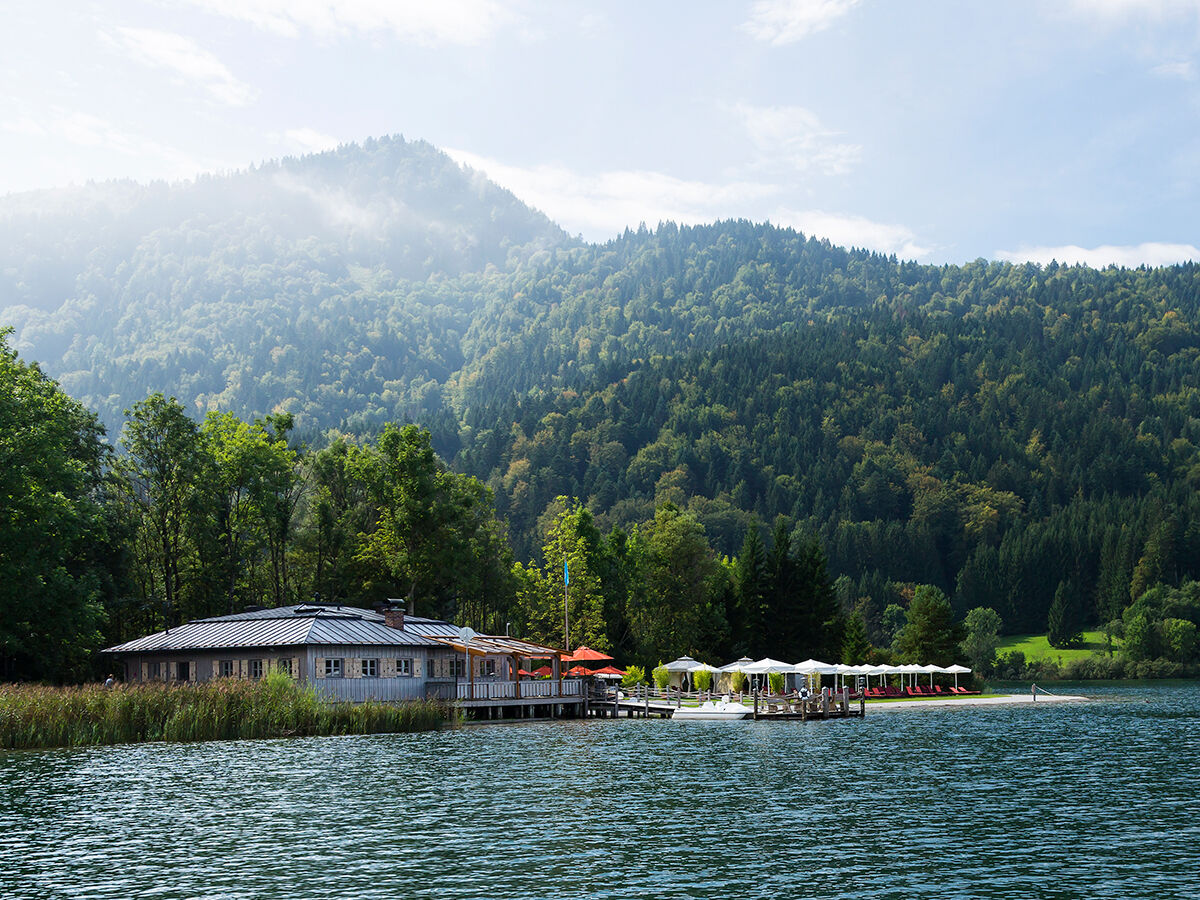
(225, 633)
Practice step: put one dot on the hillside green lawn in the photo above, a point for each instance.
(1036, 647)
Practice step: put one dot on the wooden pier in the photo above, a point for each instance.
(648, 703)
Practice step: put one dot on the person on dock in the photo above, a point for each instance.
(1033, 687)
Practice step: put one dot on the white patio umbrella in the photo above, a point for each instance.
(767, 666)
(841, 670)
(736, 666)
(883, 671)
(739, 666)
(681, 666)
(814, 667)
(957, 670)
(910, 669)
(930, 668)
(864, 669)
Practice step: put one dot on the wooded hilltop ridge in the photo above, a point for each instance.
(742, 439)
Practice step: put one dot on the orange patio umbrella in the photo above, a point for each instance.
(609, 670)
(587, 654)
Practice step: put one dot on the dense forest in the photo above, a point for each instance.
(742, 439)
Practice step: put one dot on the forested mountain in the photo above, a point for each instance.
(1020, 437)
(293, 285)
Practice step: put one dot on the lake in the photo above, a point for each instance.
(1081, 800)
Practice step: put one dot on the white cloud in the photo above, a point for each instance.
(308, 140)
(465, 22)
(605, 204)
(1149, 254)
(1116, 10)
(1184, 70)
(780, 22)
(855, 231)
(795, 136)
(602, 205)
(183, 56)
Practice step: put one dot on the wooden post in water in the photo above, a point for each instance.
(756, 703)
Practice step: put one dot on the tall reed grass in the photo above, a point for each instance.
(276, 706)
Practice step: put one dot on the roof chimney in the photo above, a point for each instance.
(393, 614)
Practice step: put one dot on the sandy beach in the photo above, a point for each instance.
(1003, 700)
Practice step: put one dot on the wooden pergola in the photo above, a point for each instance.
(513, 649)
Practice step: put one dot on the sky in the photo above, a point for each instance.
(935, 130)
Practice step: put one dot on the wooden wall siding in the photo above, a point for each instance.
(359, 689)
(308, 665)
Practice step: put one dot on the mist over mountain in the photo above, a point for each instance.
(206, 289)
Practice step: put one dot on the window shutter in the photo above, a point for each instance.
(320, 667)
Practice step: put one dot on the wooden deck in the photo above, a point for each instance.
(498, 699)
(648, 703)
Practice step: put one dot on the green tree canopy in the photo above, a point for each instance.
(982, 637)
(52, 460)
(931, 635)
(672, 607)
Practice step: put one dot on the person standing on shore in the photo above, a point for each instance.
(1033, 687)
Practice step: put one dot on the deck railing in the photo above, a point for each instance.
(507, 690)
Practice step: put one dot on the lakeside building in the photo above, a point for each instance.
(347, 653)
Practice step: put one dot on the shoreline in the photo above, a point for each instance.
(1002, 700)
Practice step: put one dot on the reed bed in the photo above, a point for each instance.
(33, 716)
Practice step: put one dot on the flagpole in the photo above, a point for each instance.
(566, 613)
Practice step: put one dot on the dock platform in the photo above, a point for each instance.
(647, 703)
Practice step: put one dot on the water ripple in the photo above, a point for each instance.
(1094, 800)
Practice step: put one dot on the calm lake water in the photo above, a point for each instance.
(1083, 800)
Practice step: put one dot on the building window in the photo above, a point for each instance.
(403, 668)
(154, 671)
(458, 668)
(284, 665)
(370, 668)
(182, 671)
(333, 668)
(488, 668)
(256, 668)
(431, 668)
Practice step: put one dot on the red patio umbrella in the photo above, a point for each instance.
(580, 670)
(587, 654)
(543, 672)
(609, 670)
